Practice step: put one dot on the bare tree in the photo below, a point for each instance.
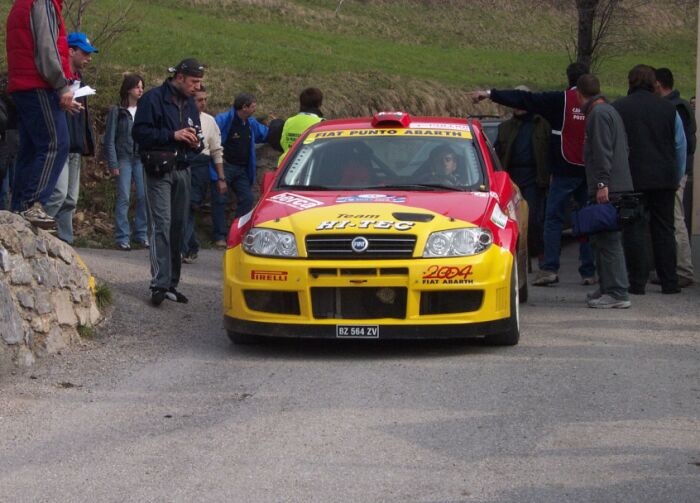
(108, 29)
(596, 20)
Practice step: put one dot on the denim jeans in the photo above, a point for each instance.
(561, 190)
(43, 146)
(239, 183)
(130, 168)
(201, 181)
(61, 205)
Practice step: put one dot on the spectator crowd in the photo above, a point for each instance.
(633, 157)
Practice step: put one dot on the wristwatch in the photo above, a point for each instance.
(221, 179)
(601, 185)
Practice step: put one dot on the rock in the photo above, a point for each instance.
(40, 324)
(24, 358)
(44, 293)
(4, 259)
(26, 300)
(95, 315)
(20, 274)
(41, 245)
(43, 301)
(54, 342)
(45, 272)
(29, 246)
(11, 324)
(64, 308)
(83, 314)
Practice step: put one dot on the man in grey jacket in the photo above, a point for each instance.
(607, 176)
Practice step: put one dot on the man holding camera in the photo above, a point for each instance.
(168, 132)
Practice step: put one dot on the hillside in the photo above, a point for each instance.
(414, 54)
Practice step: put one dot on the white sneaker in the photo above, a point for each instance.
(38, 217)
(608, 302)
(543, 278)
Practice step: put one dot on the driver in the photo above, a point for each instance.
(443, 165)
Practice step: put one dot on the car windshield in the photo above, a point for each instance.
(411, 159)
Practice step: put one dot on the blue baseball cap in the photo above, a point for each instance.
(80, 40)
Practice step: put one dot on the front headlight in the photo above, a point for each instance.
(270, 243)
(458, 242)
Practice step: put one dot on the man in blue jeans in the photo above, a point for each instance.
(563, 112)
(239, 134)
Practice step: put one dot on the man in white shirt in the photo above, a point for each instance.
(212, 154)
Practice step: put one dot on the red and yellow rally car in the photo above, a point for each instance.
(385, 227)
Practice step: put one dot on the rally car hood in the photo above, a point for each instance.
(310, 212)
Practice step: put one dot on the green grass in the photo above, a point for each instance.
(103, 295)
(86, 331)
(376, 54)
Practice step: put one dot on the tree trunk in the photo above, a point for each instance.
(585, 41)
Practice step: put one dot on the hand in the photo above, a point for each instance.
(66, 101)
(221, 186)
(477, 96)
(115, 171)
(601, 196)
(187, 135)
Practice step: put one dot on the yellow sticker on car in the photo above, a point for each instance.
(361, 133)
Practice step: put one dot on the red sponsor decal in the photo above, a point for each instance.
(448, 272)
(269, 275)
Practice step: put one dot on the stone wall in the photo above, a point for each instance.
(46, 292)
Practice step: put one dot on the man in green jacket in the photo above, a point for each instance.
(310, 101)
(522, 149)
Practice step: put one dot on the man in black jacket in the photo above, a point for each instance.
(563, 112)
(166, 127)
(657, 161)
(684, 194)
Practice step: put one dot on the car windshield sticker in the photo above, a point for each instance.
(370, 198)
(428, 125)
(359, 133)
(295, 201)
(269, 275)
(498, 217)
(329, 225)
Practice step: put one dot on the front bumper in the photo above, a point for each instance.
(385, 331)
(416, 284)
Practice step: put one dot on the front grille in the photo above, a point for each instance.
(381, 246)
(450, 301)
(358, 303)
(268, 301)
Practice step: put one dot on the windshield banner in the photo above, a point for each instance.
(362, 133)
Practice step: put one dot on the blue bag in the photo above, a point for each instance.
(594, 218)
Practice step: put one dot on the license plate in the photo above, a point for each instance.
(357, 331)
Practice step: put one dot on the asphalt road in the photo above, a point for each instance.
(591, 406)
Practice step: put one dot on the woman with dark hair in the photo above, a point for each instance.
(123, 161)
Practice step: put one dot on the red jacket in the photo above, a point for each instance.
(23, 74)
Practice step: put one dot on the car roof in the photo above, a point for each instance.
(415, 122)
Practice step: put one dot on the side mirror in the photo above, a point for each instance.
(268, 180)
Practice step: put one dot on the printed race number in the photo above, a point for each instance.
(357, 331)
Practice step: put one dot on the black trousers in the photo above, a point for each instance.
(657, 215)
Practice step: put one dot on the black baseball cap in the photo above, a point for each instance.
(189, 66)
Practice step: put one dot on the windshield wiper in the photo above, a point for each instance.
(417, 186)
